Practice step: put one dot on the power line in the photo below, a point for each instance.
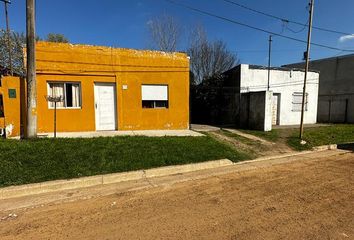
(275, 50)
(296, 31)
(255, 28)
(284, 19)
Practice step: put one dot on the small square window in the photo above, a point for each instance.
(12, 93)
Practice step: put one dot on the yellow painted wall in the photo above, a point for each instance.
(90, 64)
(12, 108)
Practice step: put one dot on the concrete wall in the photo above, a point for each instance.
(268, 97)
(233, 103)
(336, 88)
(285, 83)
(256, 110)
(90, 64)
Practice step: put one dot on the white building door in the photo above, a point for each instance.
(105, 106)
(275, 109)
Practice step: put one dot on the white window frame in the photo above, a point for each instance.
(299, 94)
(65, 82)
(156, 100)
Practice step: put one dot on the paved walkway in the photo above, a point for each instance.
(249, 136)
(148, 133)
(204, 128)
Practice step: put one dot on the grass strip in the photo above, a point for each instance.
(38, 160)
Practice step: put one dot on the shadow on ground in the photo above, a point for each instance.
(346, 146)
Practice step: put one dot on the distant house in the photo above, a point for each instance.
(102, 88)
(336, 91)
(255, 106)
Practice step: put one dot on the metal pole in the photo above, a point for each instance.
(306, 70)
(8, 39)
(31, 71)
(269, 55)
(55, 119)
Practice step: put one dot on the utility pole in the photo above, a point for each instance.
(269, 55)
(31, 71)
(8, 39)
(306, 69)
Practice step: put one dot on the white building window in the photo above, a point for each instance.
(69, 91)
(154, 96)
(297, 101)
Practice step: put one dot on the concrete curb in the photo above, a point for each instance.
(326, 147)
(59, 185)
(315, 149)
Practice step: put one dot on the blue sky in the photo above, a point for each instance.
(122, 23)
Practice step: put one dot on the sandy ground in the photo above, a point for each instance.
(305, 199)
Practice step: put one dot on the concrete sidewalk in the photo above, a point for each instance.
(204, 128)
(148, 133)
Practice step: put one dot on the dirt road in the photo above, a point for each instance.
(306, 199)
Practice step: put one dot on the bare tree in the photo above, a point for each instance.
(165, 33)
(208, 59)
(17, 42)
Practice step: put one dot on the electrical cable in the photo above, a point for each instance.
(255, 28)
(296, 31)
(284, 19)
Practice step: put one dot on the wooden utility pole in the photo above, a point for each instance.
(31, 71)
(306, 69)
(269, 55)
(8, 38)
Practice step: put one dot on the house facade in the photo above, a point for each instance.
(255, 105)
(103, 88)
(336, 88)
(10, 105)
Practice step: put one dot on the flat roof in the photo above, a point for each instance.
(278, 68)
(323, 59)
(45, 44)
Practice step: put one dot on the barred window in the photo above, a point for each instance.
(297, 101)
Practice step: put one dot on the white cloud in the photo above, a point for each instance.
(346, 38)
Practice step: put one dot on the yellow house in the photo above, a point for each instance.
(10, 105)
(105, 88)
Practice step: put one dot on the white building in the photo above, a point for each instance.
(336, 91)
(260, 106)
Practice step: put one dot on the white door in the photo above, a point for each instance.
(105, 106)
(275, 115)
